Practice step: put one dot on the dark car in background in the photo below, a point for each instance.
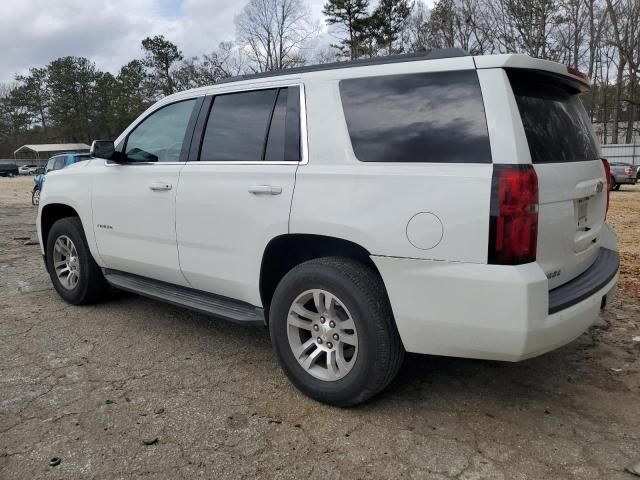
(8, 169)
(622, 173)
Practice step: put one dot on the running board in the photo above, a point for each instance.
(203, 302)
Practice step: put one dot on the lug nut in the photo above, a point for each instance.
(322, 319)
(329, 345)
(319, 341)
(332, 324)
(316, 328)
(335, 336)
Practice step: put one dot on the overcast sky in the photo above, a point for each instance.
(109, 32)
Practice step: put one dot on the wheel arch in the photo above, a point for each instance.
(50, 214)
(286, 251)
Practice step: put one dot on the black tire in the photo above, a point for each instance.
(614, 185)
(360, 289)
(91, 286)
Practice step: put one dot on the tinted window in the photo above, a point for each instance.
(237, 126)
(425, 117)
(555, 122)
(159, 137)
(276, 140)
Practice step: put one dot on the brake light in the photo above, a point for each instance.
(577, 73)
(607, 174)
(513, 228)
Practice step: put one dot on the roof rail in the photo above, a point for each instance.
(361, 62)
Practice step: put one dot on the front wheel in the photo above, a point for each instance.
(73, 271)
(333, 331)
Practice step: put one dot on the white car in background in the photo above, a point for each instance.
(438, 203)
(27, 169)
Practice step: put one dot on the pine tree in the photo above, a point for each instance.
(351, 15)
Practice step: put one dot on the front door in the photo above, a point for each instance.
(237, 197)
(134, 202)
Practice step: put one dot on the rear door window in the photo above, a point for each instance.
(253, 126)
(419, 117)
(555, 122)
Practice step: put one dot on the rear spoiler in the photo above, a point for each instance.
(513, 60)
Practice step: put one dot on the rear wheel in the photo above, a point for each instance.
(614, 185)
(73, 271)
(333, 331)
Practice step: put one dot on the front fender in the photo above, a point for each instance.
(70, 187)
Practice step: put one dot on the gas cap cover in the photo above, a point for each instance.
(425, 230)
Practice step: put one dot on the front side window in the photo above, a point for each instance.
(160, 136)
(253, 126)
(419, 117)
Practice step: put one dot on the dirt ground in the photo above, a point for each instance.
(90, 384)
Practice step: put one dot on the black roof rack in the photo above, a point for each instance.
(362, 62)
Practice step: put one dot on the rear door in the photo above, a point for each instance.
(235, 196)
(571, 179)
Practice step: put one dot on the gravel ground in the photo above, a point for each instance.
(90, 384)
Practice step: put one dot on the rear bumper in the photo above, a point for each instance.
(627, 180)
(490, 311)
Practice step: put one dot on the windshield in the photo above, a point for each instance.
(555, 122)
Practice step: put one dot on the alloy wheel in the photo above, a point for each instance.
(66, 262)
(322, 335)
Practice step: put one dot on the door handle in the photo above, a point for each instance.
(160, 186)
(265, 190)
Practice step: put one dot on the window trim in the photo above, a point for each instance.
(186, 141)
(200, 127)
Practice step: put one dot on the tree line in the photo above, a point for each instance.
(71, 100)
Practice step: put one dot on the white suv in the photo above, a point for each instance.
(441, 203)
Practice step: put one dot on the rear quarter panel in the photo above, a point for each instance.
(371, 204)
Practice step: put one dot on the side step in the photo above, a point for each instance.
(203, 302)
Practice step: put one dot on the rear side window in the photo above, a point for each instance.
(420, 117)
(555, 122)
(253, 126)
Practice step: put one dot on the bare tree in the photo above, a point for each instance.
(571, 32)
(227, 61)
(625, 22)
(274, 33)
(521, 26)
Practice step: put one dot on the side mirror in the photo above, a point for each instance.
(103, 149)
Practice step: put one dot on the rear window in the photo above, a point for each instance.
(555, 122)
(420, 117)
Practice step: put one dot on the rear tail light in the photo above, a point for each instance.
(513, 229)
(628, 171)
(607, 174)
